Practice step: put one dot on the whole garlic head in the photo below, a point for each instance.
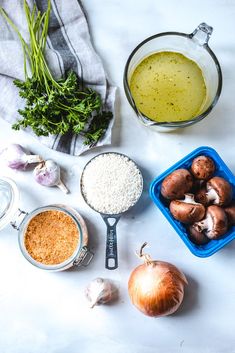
(100, 291)
(47, 173)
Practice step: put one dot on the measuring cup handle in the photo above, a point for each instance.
(202, 34)
(111, 258)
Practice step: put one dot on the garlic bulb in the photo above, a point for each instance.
(100, 291)
(47, 173)
(17, 157)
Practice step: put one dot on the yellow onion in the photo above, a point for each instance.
(156, 288)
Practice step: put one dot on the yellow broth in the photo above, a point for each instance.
(168, 87)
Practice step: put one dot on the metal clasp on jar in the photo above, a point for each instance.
(20, 217)
(84, 257)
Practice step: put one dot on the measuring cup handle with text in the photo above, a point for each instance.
(111, 258)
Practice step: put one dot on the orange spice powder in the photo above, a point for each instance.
(51, 237)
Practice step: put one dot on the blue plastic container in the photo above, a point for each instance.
(221, 170)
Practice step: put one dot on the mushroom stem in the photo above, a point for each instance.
(212, 196)
(189, 198)
(205, 224)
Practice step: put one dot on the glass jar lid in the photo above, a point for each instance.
(9, 201)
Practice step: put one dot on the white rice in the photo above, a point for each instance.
(111, 183)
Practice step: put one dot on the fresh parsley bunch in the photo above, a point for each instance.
(54, 107)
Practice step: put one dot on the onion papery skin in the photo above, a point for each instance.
(156, 288)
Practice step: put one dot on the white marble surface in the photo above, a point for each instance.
(46, 312)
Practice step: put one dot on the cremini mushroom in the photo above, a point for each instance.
(196, 237)
(215, 223)
(203, 167)
(176, 184)
(230, 212)
(219, 191)
(187, 210)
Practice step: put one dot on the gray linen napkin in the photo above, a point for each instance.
(68, 48)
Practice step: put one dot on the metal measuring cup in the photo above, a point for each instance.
(111, 220)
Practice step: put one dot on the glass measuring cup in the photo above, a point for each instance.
(111, 219)
(195, 47)
(11, 214)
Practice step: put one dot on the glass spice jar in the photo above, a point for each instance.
(11, 214)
